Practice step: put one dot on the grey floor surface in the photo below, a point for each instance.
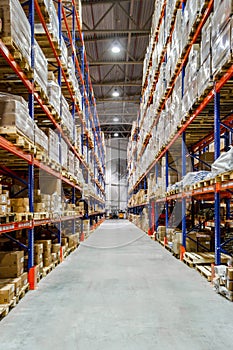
(121, 292)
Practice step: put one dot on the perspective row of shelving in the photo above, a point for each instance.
(188, 85)
(52, 151)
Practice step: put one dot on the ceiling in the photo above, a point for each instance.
(127, 24)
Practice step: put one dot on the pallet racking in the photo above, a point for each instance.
(24, 165)
(199, 128)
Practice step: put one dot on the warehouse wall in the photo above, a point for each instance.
(116, 174)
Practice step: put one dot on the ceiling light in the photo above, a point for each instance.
(116, 49)
(116, 134)
(115, 119)
(115, 93)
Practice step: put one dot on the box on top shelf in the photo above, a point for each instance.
(14, 113)
(206, 34)
(52, 23)
(223, 10)
(222, 47)
(16, 27)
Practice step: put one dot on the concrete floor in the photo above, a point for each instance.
(134, 297)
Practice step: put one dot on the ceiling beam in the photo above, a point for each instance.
(118, 131)
(118, 83)
(118, 37)
(105, 114)
(115, 124)
(107, 63)
(102, 100)
(94, 2)
(116, 31)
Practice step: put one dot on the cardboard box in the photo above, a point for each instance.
(6, 293)
(38, 258)
(3, 199)
(3, 209)
(56, 248)
(38, 248)
(11, 258)
(15, 281)
(230, 273)
(24, 279)
(11, 271)
(63, 241)
(54, 257)
(229, 285)
(47, 244)
(46, 254)
(47, 261)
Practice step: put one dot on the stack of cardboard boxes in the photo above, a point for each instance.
(12, 275)
(47, 252)
(5, 207)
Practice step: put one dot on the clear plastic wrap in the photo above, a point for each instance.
(64, 154)
(14, 112)
(223, 163)
(41, 68)
(40, 139)
(16, 27)
(54, 95)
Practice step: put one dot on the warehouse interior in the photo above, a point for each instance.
(116, 174)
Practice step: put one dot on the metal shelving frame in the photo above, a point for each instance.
(214, 192)
(91, 117)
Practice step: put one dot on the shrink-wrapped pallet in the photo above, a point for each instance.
(40, 139)
(41, 68)
(14, 114)
(15, 27)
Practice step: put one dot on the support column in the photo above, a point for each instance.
(183, 199)
(217, 193)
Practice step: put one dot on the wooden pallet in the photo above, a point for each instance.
(41, 155)
(54, 165)
(22, 292)
(41, 215)
(205, 271)
(23, 216)
(6, 219)
(18, 56)
(5, 308)
(223, 69)
(224, 177)
(14, 135)
(193, 259)
(40, 90)
(48, 269)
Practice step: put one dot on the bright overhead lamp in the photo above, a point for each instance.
(115, 119)
(115, 93)
(116, 48)
(116, 134)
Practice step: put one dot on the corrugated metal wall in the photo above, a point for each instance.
(116, 174)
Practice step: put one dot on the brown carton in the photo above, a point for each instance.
(230, 285)
(230, 273)
(11, 271)
(47, 244)
(56, 248)
(6, 293)
(47, 261)
(11, 258)
(24, 279)
(38, 248)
